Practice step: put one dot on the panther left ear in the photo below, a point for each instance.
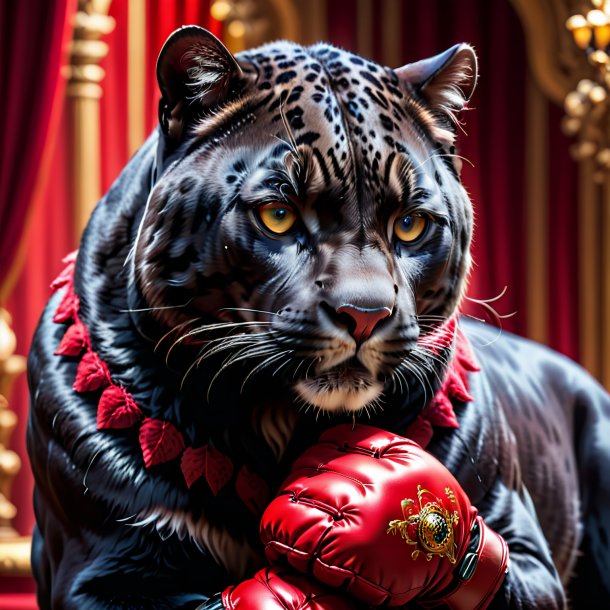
(194, 72)
(446, 82)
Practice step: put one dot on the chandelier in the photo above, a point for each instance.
(587, 106)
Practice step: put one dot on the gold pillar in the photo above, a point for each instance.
(14, 549)
(537, 194)
(91, 21)
(605, 280)
(588, 266)
(136, 71)
(365, 28)
(391, 26)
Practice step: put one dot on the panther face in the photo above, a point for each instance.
(308, 221)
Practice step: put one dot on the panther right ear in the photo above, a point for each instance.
(194, 71)
(446, 82)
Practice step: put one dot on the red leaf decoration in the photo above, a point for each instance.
(67, 274)
(67, 308)
(218, 469)
(74, 341)
(456, 385)
(160, 441)
(64, 278)
(70, 257)
(192, 464)
(117, 409)
(440, 412)
(420, 431)
(91, 374)
(252, 489)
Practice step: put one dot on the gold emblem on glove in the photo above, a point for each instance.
(430, 527)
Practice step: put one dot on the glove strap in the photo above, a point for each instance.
(479, 574)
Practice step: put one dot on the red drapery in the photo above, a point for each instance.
(32, 51)
(162, 18)
(495, 144)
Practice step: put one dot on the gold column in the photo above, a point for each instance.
(365, 28)
(90, 23)
(588, 264)
(605, 280)
(136, 72)
(391, 25)
(317, 10)
(537, 208)
(14, 549)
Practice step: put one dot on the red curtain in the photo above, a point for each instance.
(162, 18)
(33, 209)
(33, 37)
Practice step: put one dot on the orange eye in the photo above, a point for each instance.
(410, 227)
(278, 217)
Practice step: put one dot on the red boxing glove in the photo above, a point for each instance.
(373, 512)
(279, 588)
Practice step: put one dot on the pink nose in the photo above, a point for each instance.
(365, 319)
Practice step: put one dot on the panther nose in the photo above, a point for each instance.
(363, 320)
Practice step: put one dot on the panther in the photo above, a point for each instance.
(286, 253)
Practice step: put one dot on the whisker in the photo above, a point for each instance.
(219, 326)
(172, 330)
(271, 313)
(265, 363)
(159, 308)
(233, 361)
(412, 368)
(492, 299)
(209, 352)
(225, 325)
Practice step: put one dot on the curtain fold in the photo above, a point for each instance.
(33, 37)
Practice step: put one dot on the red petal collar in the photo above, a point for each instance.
(161, 441)
(439, 412)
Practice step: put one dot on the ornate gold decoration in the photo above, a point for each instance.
(558, 65)
(552, 58)
(587, 106)
(91, 22)
(15, 556)
(14, 549)
(428, 526)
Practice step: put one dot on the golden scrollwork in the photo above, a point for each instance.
(427, 525)
(14, 549)
(91, 22)
(587, 106)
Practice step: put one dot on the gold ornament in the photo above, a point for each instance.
(431, 523)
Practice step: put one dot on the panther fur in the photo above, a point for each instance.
(251, 338)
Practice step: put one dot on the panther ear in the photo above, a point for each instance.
(446, 82)
(194, 72)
